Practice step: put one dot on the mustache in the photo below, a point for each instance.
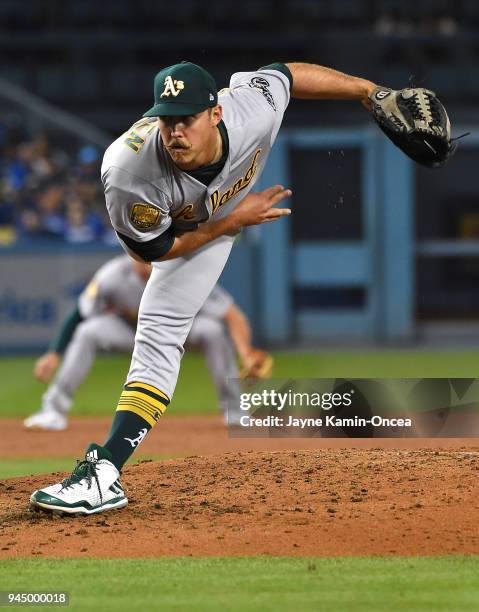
(177, 144)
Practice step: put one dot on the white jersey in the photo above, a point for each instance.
(115, 287)
(146, 193)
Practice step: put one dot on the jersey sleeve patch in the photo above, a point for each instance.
(144, 216)
(92, 300)
(263, 85)
(91, 290)
(273, 86)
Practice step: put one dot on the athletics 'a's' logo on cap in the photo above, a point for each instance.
(144, 216)
(172, 87)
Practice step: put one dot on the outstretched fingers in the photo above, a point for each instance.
(276, 213)
(271, 191)
(280, 195)
(274, 196)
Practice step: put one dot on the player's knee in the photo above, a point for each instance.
(214, 333)
(87, 333)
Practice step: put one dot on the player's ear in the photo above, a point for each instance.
(216, 114)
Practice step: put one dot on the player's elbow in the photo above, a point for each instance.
(132, 253)
(151, 250)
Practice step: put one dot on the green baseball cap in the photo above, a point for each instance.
(183, 89)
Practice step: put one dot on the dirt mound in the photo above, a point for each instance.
(179, 436)
(322, 502)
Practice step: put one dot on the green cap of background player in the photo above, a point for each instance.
(183, 89)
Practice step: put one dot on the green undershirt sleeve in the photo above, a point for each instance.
(66, 331)
(281, 68)
(152, 249)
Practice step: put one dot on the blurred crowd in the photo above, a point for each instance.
(47, 191)
(400, 23)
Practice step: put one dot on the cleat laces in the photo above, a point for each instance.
(83, 469)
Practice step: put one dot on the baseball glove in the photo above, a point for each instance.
(416, 122)
(258, 364)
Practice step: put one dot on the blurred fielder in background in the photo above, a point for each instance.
(105, 318)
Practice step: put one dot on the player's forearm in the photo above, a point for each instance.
(192, 241)
(66, 331)
(240, 331)
(253, 209)
(318, 82)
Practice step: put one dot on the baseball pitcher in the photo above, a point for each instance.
(178, 188)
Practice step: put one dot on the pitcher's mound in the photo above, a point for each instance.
(323, 502)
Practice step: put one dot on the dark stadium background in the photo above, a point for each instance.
(96, 61)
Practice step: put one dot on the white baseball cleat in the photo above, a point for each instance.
(46, 420)
(92, 487)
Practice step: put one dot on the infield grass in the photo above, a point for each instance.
(20, 394)
(245, 584)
